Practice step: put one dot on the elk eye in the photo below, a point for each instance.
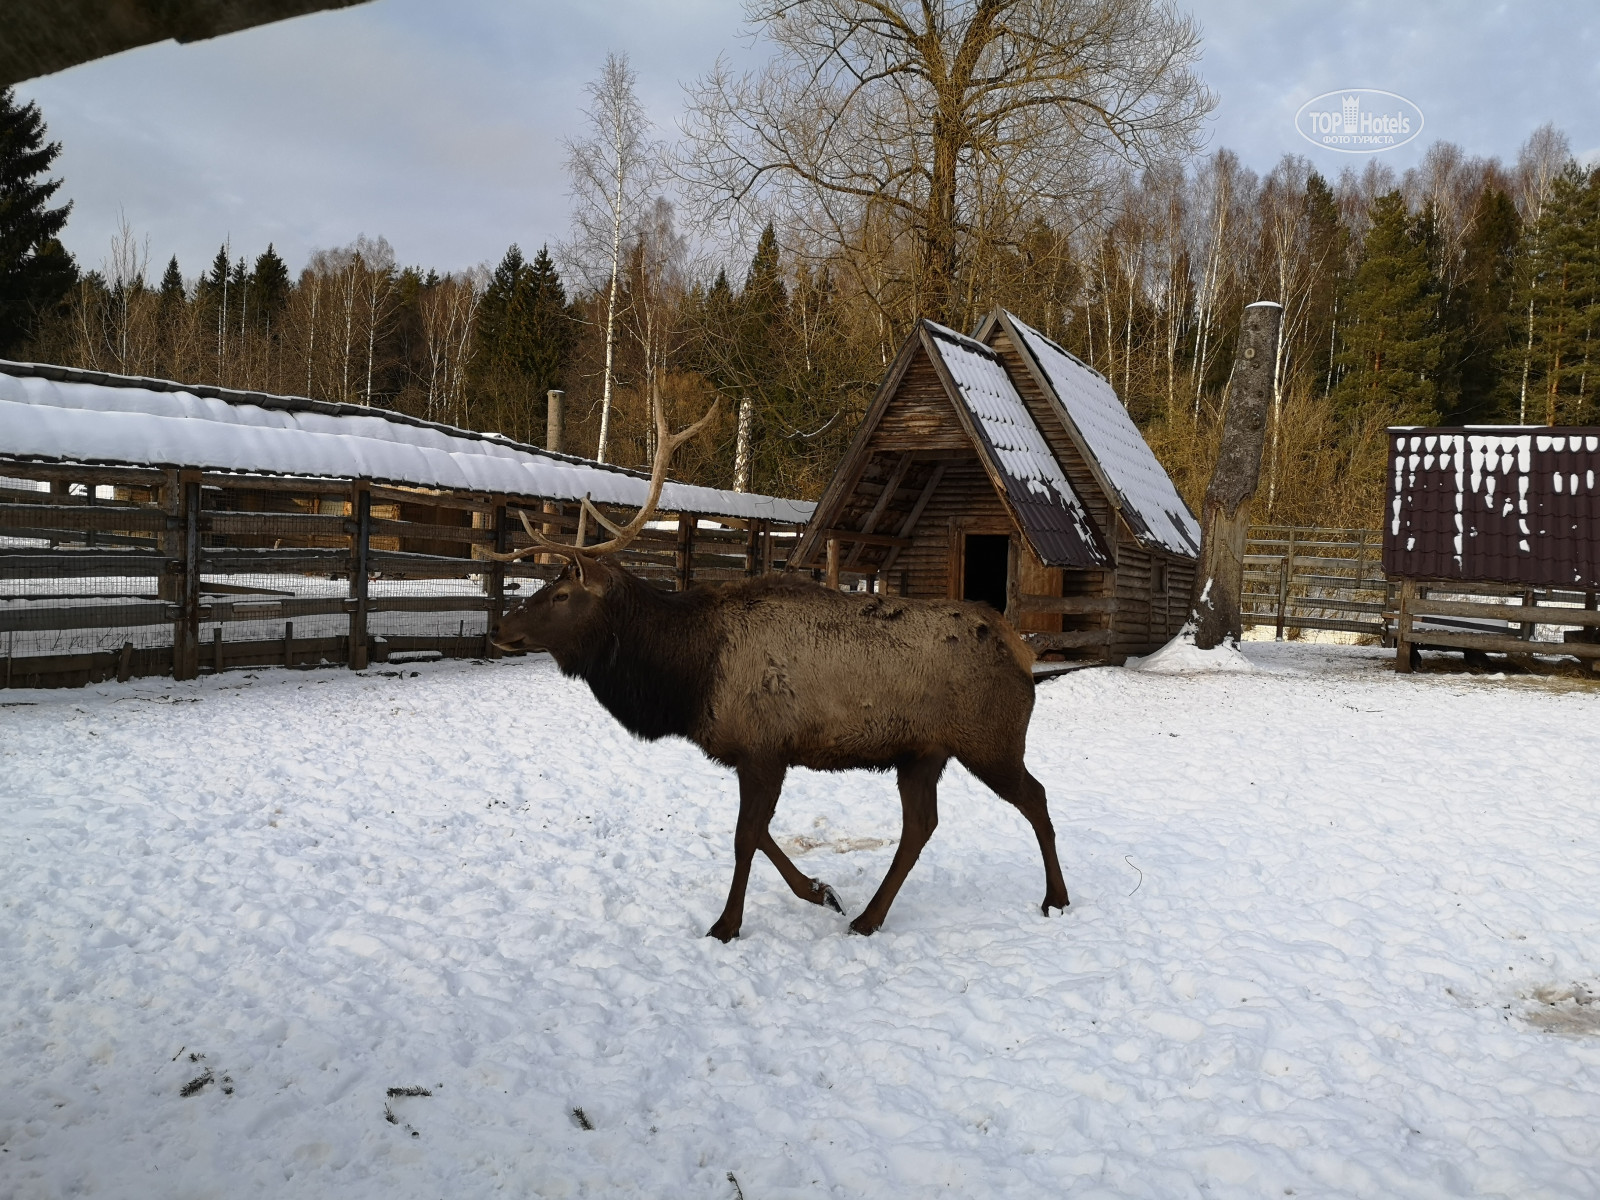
(559, 596)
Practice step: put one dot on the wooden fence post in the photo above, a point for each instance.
(1403, 661)
(1285, 569)
(686, 527)
(495, 579)
(833, 563)
(752, 547)
(360, 549)
(186, 629)
(1225, 516)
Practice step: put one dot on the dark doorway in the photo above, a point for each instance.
(987, 564)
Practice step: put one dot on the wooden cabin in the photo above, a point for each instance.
(1000, 468)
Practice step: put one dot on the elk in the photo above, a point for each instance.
(770, 673)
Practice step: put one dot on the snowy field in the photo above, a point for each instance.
(1333, 933)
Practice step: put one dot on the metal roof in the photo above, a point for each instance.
(1052, 517)
(1140, 486)
(1506, 504)
(61, 414)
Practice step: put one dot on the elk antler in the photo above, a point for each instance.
(667, 444)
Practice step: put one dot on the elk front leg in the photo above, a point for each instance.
(813, 891)
(919, 817)
(759, 786)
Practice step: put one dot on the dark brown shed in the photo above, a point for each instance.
(1000, 468)
(1513, 505)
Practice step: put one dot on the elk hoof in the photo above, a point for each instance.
(1050, 903)
(864, 927)
(824, 895)
(723, 932)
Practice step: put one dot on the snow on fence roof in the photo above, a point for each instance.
(1051, 513)
(1150, 504)
(1502, 503)
(59, 414)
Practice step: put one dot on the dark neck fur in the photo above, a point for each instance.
(654, 663)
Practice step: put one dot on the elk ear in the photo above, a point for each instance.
(590, 574)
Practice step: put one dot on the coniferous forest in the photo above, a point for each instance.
(1464, 290)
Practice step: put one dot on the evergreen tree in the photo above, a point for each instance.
(1327, 242)
(552, 326)
(525, 335)
(1392, 342)
(1559, 285)
(1481, 306)
(36, 272)
(171, 291)
(269, 289)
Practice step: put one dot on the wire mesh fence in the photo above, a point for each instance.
(131, 571)
(1301, 578)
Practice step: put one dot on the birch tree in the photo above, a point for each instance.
(613, 172)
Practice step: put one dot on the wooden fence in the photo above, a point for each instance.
(1299, 578)
(1484, 618)
(117, 572)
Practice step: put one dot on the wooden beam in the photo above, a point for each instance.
(1543, 614)
(846, 536)
(910, 523)
(890, 488)
(833, 563)
(1507, 644)
(1077, 639)
(1069, 605)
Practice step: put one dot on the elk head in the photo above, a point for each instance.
(564, 614)
(558, 616)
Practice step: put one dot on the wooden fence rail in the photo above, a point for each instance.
(1299, 578)
(120, 572)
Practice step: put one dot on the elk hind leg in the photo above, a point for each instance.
(812, 891)
(919, 817)
(1012, 783)
(759, 785)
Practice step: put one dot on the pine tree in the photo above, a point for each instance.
(551, 326)
(525, 335)
(1327, 249)
(1392, 342)
(172, 290)
(36, 272)
(1559, 285)
(269, 289)
(1481, 308)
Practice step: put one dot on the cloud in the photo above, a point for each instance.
(441, 126)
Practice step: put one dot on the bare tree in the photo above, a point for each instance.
(1541, 159)
(963, 119)
(447, 309)
(612, 173)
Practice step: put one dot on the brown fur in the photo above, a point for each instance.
(771, 673)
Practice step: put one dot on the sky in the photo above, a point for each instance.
(440, 126)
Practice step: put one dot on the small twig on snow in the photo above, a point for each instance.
(1129, 860)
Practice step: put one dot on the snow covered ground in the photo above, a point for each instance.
(1333, 933)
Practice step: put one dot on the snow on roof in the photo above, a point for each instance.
(1151, 505)
(1051, 513)
(59, 414)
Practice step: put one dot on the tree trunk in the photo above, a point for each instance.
(1225, 517)
(741, 447)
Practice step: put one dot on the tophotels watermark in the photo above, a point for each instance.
(1358, 121)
